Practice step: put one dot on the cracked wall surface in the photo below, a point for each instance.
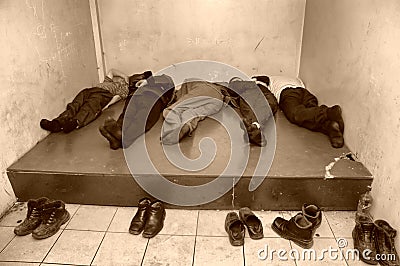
(46, 56)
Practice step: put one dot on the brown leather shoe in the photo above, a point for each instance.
(140, 218)
(155, 219)
(313, 214)
(364, 239)
(235, 229)
(384, 242)
(298, 229)
(253, 224)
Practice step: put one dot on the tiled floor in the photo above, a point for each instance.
(98, 235)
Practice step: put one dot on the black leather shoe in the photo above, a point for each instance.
(235, 229)
(253, 224)
(313, 214)
(364, 239)
(298, 229)
(155, 219)
(384, 243)
(139, 220)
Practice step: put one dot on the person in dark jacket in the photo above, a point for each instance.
(154, 93)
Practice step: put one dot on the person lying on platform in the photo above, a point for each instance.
(155, 92)
(90, 102)
(301, 107)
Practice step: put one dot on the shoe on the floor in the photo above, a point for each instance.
(33, 217)
(313, 214)
(298, 229)
(251, 221)
(139, 220)
(384, 243)
(235, 229)
(335, 135)
(155, 219)
(335, 114)
(52, 126)
(69, 125)
(364, 239)
(54, 215)
(114, 142)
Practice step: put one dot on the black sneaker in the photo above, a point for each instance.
(52, 126)
(54, 215)
(33, 217)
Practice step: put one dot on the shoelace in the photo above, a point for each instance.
(34, 214)
(51, 219)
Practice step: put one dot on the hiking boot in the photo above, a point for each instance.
(364, 240)
(54, 215)
(140, 218)
(155, 219)
(313, 214)
(33, 217)
(53, 126)
(298, 229)
(335, 114)
(384, 243)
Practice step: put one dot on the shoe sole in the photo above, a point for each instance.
(53, 233)
(303, 244)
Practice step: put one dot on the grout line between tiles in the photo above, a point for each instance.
(97, 250)
(7, 243)
(145, 250)
(62, 231)
(195, 237)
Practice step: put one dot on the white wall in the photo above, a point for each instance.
(46, 56)
(351, 56)
(153, 34)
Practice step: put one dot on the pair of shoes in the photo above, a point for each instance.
(235, 226)
(376, 238)
(112, 133)
(53, 126)
(301, 227)
(149, 218)
(44, 218)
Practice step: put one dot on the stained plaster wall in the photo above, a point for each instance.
(255, 36)
(350, 56)
(46, 56)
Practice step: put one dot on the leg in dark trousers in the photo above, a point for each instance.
(86, 106)
(301, 108)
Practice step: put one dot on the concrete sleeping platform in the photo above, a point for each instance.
(81, 168)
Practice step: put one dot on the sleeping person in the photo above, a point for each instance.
(301, 107)
(90, 102)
